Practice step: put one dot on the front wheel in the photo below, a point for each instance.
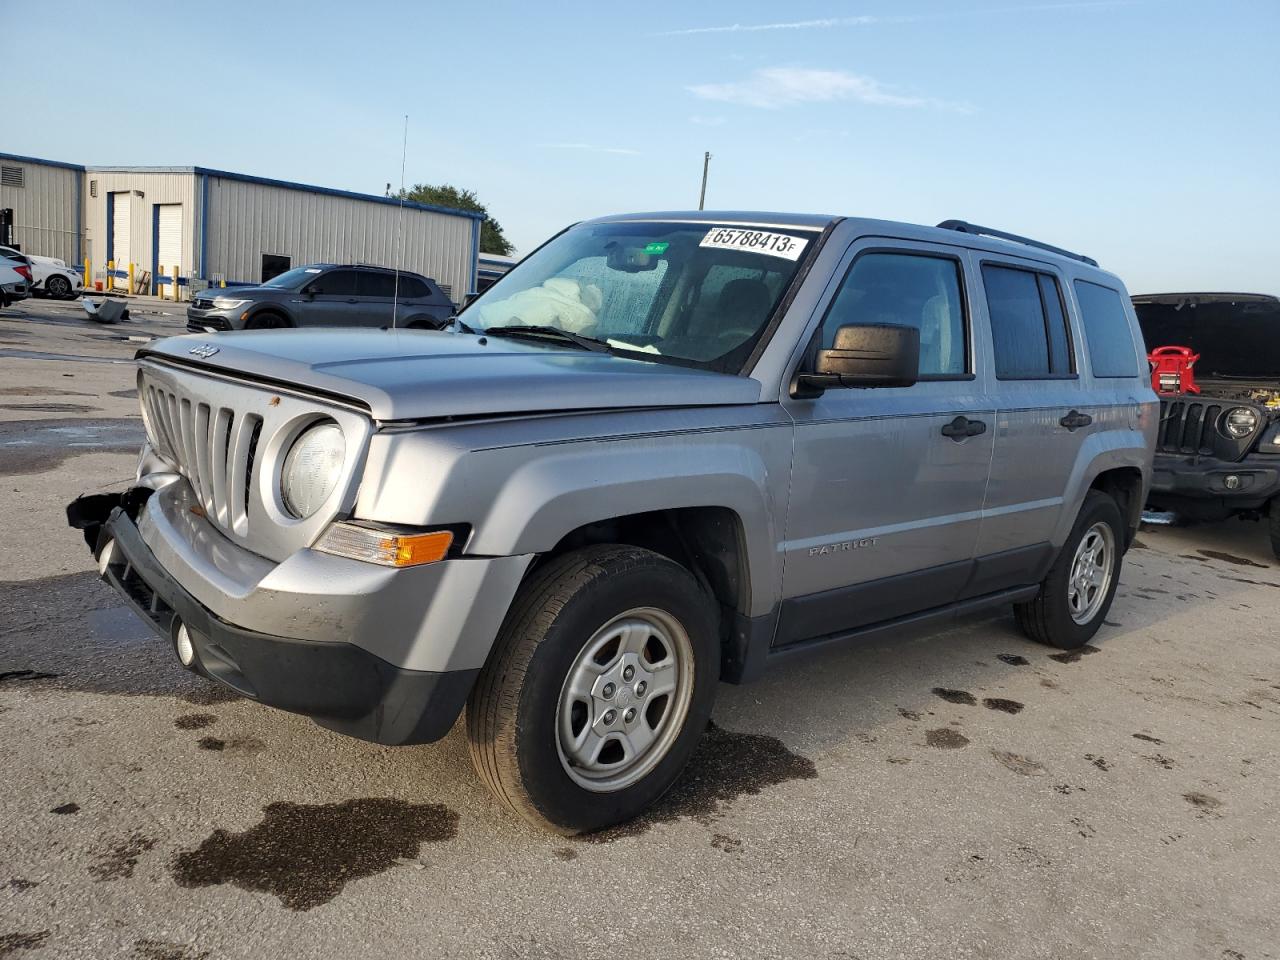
(598, 689)
(58, 287)
(1075, 596)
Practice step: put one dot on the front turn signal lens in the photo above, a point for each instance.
(385, 547)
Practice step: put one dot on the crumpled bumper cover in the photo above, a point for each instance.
(339, 685)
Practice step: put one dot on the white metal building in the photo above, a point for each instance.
(219, 227)
(45, 197)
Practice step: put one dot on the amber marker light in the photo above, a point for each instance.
(385, 547)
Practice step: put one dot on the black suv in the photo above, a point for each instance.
(324, 295)
(1218, 449)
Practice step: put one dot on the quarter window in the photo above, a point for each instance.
(373, 283)
(1028, 324)
(908, 290)
(335, 283)
(1106, 328)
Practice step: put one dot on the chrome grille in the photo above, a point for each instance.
(1186, 426)
(213, 447)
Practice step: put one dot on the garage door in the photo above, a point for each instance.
(169, 238)
(119, 251)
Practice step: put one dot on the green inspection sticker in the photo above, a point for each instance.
(656, 248)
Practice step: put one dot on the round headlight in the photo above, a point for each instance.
(1239, 422)
(312, 469)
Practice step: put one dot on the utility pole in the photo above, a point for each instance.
(702, 197)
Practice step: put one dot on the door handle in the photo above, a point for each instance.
(962, 427)
(1075, 420)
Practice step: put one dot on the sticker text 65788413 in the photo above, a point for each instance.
(755, 241)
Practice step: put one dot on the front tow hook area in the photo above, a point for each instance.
(88, 513)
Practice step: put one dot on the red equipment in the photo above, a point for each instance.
(1171, 370)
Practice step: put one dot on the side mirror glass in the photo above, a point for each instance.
(864, 355)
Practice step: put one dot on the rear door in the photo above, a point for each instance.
(886, 490)
(1044, 412)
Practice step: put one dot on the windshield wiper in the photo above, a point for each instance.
(517, 330)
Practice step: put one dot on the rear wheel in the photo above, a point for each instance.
(58, 287)
(1075, 596)
(598, 689)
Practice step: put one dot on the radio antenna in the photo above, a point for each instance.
(395, 297)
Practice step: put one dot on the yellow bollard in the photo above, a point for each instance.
(175, 283)
(222, 284)
(111, 281)
(158, 282)
(130, 290)
(88, 273)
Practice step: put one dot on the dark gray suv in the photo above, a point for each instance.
(324, 295)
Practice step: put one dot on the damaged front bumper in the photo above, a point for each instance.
(340, 684)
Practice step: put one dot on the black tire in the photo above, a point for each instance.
(512, 715)
(58, 287)
(267, 320)
(1274, 512)
(1047, 618)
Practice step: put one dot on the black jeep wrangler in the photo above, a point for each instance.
(1218, 448)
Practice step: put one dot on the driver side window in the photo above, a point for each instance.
(909, 290)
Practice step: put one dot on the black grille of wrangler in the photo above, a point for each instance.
(1187, 426)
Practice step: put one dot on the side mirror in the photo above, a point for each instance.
(311, 291)
(864, 355)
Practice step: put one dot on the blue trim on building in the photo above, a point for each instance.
(292, 185)
(111, 228)
(77, 241)
(475, 256)
(204, 226)
(155, 248)
(18, 158)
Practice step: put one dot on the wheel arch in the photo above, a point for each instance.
(1119, 464)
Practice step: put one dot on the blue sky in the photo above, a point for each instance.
(1144, 133)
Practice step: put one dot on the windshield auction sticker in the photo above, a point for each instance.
(756, 241)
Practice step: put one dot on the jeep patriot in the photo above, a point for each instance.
(665, 450)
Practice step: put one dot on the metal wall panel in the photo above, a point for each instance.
(247, 220)
(157, 187)
(44, 209)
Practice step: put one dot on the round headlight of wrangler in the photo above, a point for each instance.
(312, 468)
(1239, 422)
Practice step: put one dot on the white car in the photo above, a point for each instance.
(14, 279)
(49, 276)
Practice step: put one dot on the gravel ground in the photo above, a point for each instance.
(951, 793)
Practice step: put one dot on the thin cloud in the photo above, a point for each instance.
(592, 148)
(699, 120)
(827, 23)
(776, 87)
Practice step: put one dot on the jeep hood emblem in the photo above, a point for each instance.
(204, 350)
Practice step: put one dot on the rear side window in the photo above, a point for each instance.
(374, 284)
(1028, 325)
(1106, 327)
(908, 290)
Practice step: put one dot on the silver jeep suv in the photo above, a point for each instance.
(665, 450)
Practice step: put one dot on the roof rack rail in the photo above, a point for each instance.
(962, 226)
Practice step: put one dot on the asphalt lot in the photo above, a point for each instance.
(955, 793)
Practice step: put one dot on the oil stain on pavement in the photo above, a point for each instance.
(119, 859)
(148, 949)
(1232, 558)
(945, 738)
(1003, 705)
(38, 446)
(1073, 656)
(963, 697)
(726, 766)
(11, 943)
(305, 854)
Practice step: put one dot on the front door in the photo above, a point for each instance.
(888, 483)
(332, 300)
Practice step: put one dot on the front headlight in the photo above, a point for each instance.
(226, 303)
(1239, 422)
(312, 468)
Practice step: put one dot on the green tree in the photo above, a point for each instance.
(492, 239)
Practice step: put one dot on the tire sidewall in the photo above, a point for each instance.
(58, 287)
(1097, 507)
(549, 787)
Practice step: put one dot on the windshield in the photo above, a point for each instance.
(687, 293)
(293, 279)
(1234, 338)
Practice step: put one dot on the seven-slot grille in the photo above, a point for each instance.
(214, 447)
(1186, 426)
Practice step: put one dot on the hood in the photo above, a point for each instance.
(417, 375)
